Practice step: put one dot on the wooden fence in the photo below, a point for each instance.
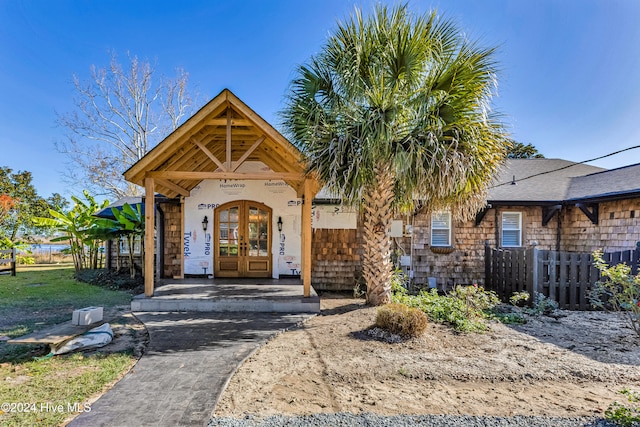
(566, 277)
(8, 260)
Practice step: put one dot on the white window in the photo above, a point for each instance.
(441, 229)
(511, 229)
(137, 245)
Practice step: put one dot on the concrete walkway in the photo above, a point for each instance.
(190, 359)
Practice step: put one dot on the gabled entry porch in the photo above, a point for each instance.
(243, 201)
(230, 295)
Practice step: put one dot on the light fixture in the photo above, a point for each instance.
(280, 224)
(205, 224)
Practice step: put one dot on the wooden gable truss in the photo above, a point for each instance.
(213, 144)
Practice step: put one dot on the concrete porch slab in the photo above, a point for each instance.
(230, 295)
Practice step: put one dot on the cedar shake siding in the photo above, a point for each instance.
(618, 228)
(173, 237)
(337, 258)
(547, 196)
(465, 264)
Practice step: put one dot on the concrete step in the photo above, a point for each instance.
(258, 305)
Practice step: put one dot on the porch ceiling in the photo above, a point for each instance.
(212, 144)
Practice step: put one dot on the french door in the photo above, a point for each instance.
(242, 240)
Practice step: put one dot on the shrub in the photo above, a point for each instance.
(620, 291)
(511, 318)
(402, 320)
(511, 315)
(23, 259)
(625, 414)
(517, 299)
(465, 308)
(475, 300)
(542, 305)
(399, 282)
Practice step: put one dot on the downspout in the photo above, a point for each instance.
(412, 264)
(497, 226)
(559, 229)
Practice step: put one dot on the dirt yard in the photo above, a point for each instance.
(572, 365)
(129, 334)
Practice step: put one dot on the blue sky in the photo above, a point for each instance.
(569, 82)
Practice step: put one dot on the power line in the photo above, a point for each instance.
(568, 166)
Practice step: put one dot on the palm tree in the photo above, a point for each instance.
(396, 109)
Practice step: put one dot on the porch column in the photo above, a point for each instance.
(306, 238)
(149, 221)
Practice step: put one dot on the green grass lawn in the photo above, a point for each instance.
(41, 296)
(46, 392)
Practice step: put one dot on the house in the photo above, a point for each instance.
(237, 202)
(552, 203)
(117, 251)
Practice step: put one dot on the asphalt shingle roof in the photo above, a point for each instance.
(537, 180)
(612, 182)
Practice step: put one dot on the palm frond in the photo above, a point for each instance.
(410, 92)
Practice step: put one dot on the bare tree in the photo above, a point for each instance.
(119, 115)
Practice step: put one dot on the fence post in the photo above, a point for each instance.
(532, 270)
(13, 261)
(487, 266)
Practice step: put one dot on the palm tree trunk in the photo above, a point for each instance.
(376, 263)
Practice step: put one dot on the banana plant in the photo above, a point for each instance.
(78, 227)
(128, 224)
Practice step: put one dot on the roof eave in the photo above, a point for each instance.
(523, 202)
(606, 197)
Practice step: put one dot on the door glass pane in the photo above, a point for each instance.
(233, 250)
(228, 232)
(263, 248)
(224, 232)
(233, 214)
(253, 247)
(253, 230)
(233, 232)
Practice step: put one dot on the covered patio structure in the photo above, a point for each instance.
(223, 142)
